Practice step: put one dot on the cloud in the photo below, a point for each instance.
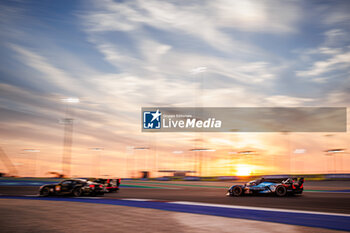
(331, 55)
(266, 16)
(336, 62)
(207, 21)
(338, 17)
(334, 36)
(336, 14)
(140, 53)
(258, 16)
(49, 73)
(287, 101)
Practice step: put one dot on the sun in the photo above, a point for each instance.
(243, 170)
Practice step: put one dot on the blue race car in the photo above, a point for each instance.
(279, 187)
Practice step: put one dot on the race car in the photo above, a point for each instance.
(110, 185)
(279, 187)
(75, 187)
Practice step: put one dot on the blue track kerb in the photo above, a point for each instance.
(334, 222)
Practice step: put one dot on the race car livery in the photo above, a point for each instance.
(110, 185)
(75, 187)
(279, 187)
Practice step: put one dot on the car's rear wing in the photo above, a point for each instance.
(114, 181)
(301, 180)
(284, 179)
(108, 182)
(275, 180)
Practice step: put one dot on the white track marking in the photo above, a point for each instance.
(136, 199)
(326, 192)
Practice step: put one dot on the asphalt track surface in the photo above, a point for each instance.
(323, 197)
(23, 214)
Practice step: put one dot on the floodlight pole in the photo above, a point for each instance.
(67, 137)
(97, 163)
(334, 152)
(289, 155)
(67, 146)
(34, 160)
(135, 161)
(199, 71)
(200, 150)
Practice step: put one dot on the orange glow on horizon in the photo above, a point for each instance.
(243, 170)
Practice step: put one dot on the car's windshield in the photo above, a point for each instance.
(66, 182)
(255, 182)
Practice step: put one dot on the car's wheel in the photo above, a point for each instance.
(237, 191)
(281, 191)
(77, 192)
(45, 192)
(298, 193)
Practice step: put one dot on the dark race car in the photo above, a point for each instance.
(110, 185)
(279, 187)
(75, 187)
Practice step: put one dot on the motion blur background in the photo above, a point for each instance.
(75, 74)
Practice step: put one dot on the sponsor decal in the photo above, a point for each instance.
(152, 119)
(244, 119)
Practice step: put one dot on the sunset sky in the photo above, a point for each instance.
(119, 56)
